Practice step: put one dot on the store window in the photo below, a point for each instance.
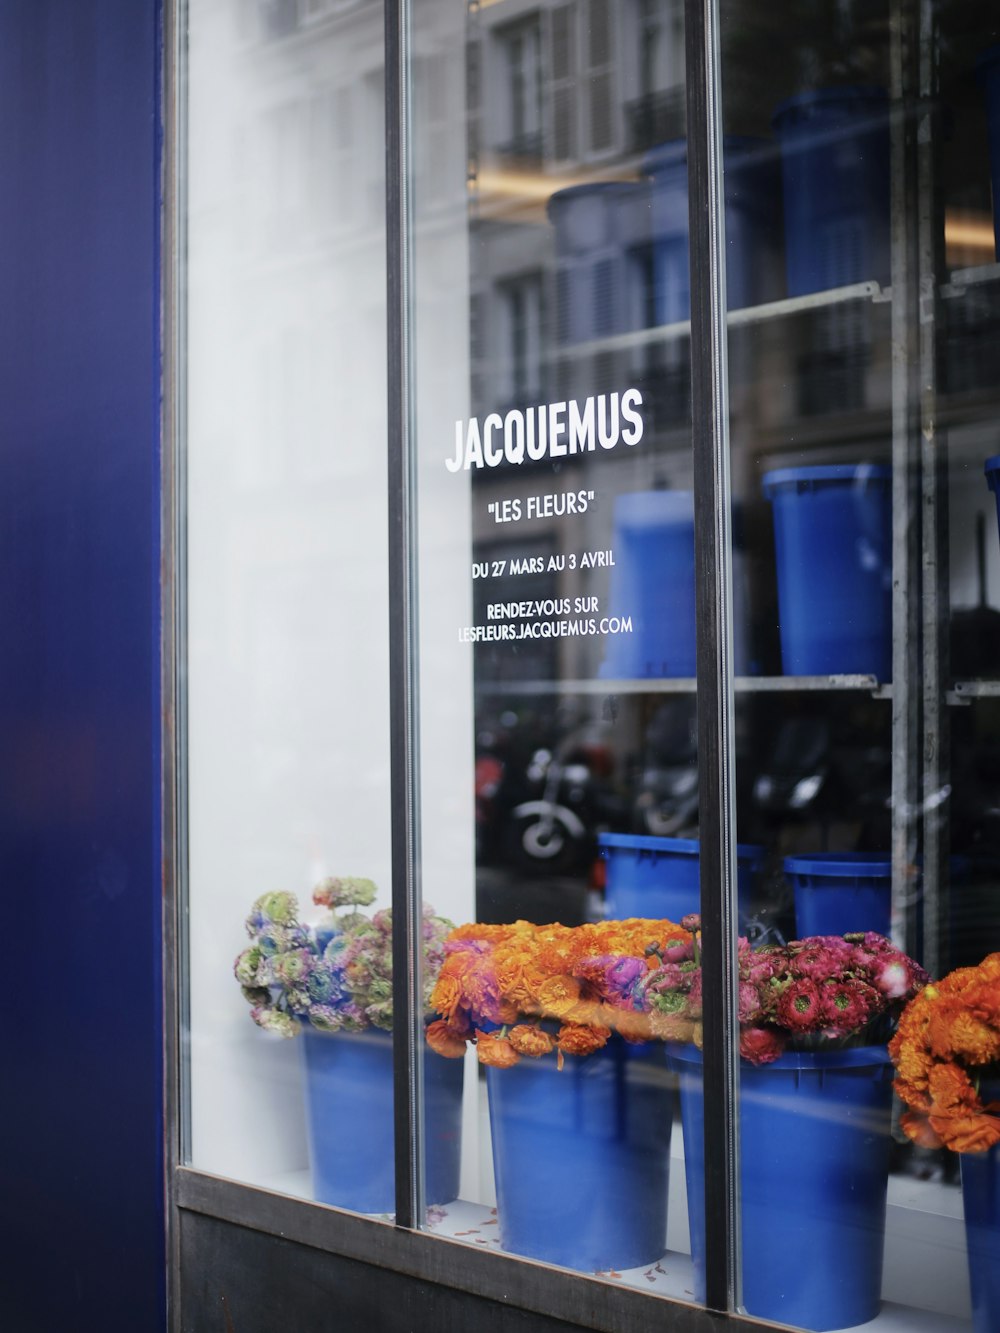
(699, 842)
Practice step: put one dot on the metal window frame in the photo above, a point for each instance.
(584, 1301)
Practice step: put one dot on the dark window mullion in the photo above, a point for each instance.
(403, 691)
(713, 574)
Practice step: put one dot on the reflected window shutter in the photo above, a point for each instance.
(563, 65)
(600, 75)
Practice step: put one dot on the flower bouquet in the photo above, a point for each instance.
(332, 981)
(947, 1058)
(568, 1023)
(815, 1104)
(527, 991)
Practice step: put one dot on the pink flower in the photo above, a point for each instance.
(749, 1000)
(760, 1045)
(800, 1008)
(847, 1006)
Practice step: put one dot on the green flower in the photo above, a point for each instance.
(246, 969)
(345, 890)
(280, 909)
(273, 1020)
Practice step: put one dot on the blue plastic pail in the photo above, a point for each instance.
(992, 470)
(840, 892)
(349, 1111)
(750, 186)
(814, 1155)
(659, 877)
(835, 174)
(833, 545)
(652, 584)
(582, 1156)
(981, 1203)
(988, 70)
(594, 228)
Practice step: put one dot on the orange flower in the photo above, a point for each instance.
(445, 1041)
(579, 1039)
(495, 1051)
(559, 996)
(633, 1026)
(968, 1133)
(947, 1035)
(447, 993)
(974, 1040)
(917, 1127)
(529, 1040)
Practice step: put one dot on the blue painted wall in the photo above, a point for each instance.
(81, 1198)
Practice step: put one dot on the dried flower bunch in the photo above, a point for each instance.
(334, 976)
(948, 1042)
(524, 990)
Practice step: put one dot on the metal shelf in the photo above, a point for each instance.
(687, 685)
(970, 277)
(964, 690)
(757, 314)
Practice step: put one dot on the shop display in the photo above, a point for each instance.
(332, 982)
(833, 545)
(947, 1058)
(815, 1101)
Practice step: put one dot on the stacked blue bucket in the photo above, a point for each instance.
(750, 188)
(839, 892)
(659, 878)
(835, 177)
(833, 544)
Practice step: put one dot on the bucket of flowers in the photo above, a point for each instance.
(564, 1021)
(947, 1058)
(815, 1016)
(331, 982)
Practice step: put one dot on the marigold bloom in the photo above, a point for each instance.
(444, 1040)
(580, 1039)
(495, 1051)
(529, 1040)
(559, 996)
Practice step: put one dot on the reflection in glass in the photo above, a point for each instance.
(287, 674)
(556, 572)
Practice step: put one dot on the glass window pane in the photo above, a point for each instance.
(287, 606)
(860, 254)
(558, 762)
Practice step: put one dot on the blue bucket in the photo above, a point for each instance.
(594, 226)
(750, 187)
(833, 545)
(349, 1111)
(992, 470)
(835, 172)
(814, 1151)
(582, 1157)
(840, 892)
(981, 1203)
(659, 877)
(988, 71)
(652, 583)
